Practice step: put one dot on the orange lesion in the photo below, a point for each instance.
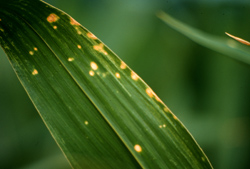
(123, 65)
(134, 76)
(52, 18)
(100, 48)
(74, 22)
(91, 36)
(238, 39)
(150, 92)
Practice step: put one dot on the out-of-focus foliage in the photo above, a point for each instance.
(208, 91)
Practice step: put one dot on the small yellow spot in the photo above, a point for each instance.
(123, 65)
(78, 31)
(117, 75)
(70, 59)
(74, 22)
(158, 99)
(150, 92)
(35, 49)
(79, 46)
(93, 65)
(164, 125)
(52, 18)
(0, 19)
(134, 76)
(91, 35)
(160, 126)
(91, 73)
(165, 109)
(55, 27)
(31, 52)
(138, 148)
(175, 117)
(35, 72)
(86, 122)
(100, 49)
(203, 158)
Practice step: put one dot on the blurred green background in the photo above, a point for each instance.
(208, 91)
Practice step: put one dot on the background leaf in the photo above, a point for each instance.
(95, 107)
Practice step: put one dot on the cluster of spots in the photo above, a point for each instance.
(100, 48)
(34, 72)
(138, 148)
(32, 52)
(52, 18)
(164, 125)
(91, 36)
(94, 66)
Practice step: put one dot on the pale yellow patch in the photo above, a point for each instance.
(93, 65)
(149, 92)
(123, 65)
(71, 59)
(55, 27)
(117, 75)
(100, 48)
(31, 52)
(74, 22)
(91, 73)
(79, 46)
(164, 125)
(165, 109)
(35, 49)
(86, 122)
(134, 76)
(35, 72)
(138, 148)
(91, 35)
(52, 18)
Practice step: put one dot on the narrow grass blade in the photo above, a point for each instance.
(99, 111)
(225, 46)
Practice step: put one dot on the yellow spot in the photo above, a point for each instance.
(100, 49)
(165, 109)
(31, 52)
(35, 49)
(55, 27)
(70, 59)
(86, 122)
(164, 125)
(123, 65)
(134, 76)
(1, 30)
(203, 158)
(160, 126)
(158, 99)
(117, 75)
(138, 148)
(79, 46)
(74, 22)
(78, 31)
(93, 65)
(35, 72)
(91, 73)
(150, 92)
(91, 35)
(52, 18)
(174, 117)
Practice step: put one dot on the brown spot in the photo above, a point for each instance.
(91, 36)
(52, 18)
(100, 48)
(74, 22)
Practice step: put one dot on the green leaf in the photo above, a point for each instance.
(100, 113)
(225, 46)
